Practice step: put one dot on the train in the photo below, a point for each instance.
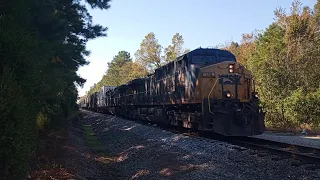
(205, 89)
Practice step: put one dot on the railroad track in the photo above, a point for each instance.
(300, 155)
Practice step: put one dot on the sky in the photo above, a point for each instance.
(205, 23)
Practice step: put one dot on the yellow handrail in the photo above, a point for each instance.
(209, 95)
(204, 95)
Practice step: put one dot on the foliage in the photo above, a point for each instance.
(121, 70)
(137, 70)
(303, 107)
(42, 121)
(283, 60)
(246, 47)
(149, 54)
(175, 50)
(118, 73)
(42, 46)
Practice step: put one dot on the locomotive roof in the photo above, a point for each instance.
(123, 86)
(138, 80)
(219, 53)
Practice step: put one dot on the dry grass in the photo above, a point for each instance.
(73, 154)
(48, 164)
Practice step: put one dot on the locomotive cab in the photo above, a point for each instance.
(218, 87)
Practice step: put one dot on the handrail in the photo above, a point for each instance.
(203, 96)
(210, 94)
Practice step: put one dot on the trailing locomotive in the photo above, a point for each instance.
(205, 89)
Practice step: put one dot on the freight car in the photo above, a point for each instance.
(205, 89)
(102, 98)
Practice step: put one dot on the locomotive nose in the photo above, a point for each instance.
(228, 102)
(221, 81)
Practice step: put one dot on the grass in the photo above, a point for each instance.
(95, 145)
(92, 140)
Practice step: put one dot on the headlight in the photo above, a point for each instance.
(255, 95)
(228, 95)
(231, 68)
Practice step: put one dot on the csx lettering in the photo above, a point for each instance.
(229, 79)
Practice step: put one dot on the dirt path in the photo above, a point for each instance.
(66, 155)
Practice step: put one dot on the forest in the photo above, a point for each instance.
(283, 59)
(43, 43)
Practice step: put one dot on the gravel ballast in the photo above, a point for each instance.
(145, 152)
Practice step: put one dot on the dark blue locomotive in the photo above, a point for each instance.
(205, 89)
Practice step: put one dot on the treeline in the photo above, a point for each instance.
(148, 57)
(284, 59)
(42, 46)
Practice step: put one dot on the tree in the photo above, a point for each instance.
(120, 59)
(149, 54)
(186, 51)
(137, 70)
(115, 71)
(243, 50)
(175, 49)
(43, 43)
(121, 70)
(283, 64)
(283, 61)
(233, 47)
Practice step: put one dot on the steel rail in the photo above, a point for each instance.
(296, 152)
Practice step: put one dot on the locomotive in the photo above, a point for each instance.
(205, 90)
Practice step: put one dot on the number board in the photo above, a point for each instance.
(208, 74)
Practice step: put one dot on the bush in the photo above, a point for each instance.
(42, 122)
(17, 126)
(304, 108)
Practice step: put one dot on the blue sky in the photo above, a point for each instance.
(204, 23)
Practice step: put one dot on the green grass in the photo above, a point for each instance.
(92, 140)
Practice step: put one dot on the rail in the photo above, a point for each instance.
(303, 153)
